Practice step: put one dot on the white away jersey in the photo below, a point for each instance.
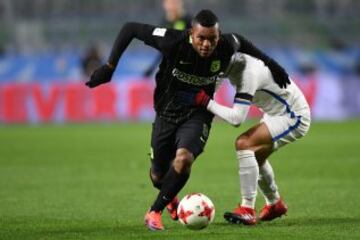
(251, 76)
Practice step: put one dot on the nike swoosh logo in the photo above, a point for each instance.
(183, 63)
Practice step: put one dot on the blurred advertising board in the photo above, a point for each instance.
(132, 100)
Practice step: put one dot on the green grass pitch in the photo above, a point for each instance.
(91, 182)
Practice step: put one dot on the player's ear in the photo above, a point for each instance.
(191, 31)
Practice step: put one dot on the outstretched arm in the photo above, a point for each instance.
(149, 34)
(235, 115)
(128, 32)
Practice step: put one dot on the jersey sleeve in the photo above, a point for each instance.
(246, 81)
(156, 37)
(162, 39)
(245, 46)
(234, 115)
(237, 114)
(248, 84)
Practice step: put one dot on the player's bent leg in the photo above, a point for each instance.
(174, 180)
(249, 173)
(284, 130)
(182, 163)
(257, 139)
(173, 205)
(275, 206)
(267, 185)
(247, 144)
(156, 179)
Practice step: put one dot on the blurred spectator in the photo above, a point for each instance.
(175, 15)
(91, 60)
(2, 50)
(176, 18)
(307, 68)
(337, 44)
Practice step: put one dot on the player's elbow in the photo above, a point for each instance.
(236, 120)
(236, 124)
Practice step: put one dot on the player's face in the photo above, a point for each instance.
(205, 39)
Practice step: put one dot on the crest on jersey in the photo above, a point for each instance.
(215, 66)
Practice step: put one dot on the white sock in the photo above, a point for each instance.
(249, 174)
(267, 184)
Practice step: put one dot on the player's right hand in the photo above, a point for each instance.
(101, 75)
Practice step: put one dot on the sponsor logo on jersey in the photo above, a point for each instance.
(192, 79)
(215, 66)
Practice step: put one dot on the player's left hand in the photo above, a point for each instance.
(193, 97)
(101, 75)
(279, 74)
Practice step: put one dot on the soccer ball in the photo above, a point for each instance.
(196, 211)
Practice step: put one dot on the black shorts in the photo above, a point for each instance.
(167, 137)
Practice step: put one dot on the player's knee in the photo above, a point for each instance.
(242, 143)
(156, 183)
(156, 180)
(183, 161)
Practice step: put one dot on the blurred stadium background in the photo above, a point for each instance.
(43, 45)
(90, 181)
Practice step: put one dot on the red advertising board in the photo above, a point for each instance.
(74, 102)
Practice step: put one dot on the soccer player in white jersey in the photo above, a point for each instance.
(286, 118)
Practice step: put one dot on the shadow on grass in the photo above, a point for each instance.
(96, 230)
(303, 222)
(218, 230)
(320, 221)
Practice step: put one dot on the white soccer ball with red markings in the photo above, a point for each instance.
(196, 211)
